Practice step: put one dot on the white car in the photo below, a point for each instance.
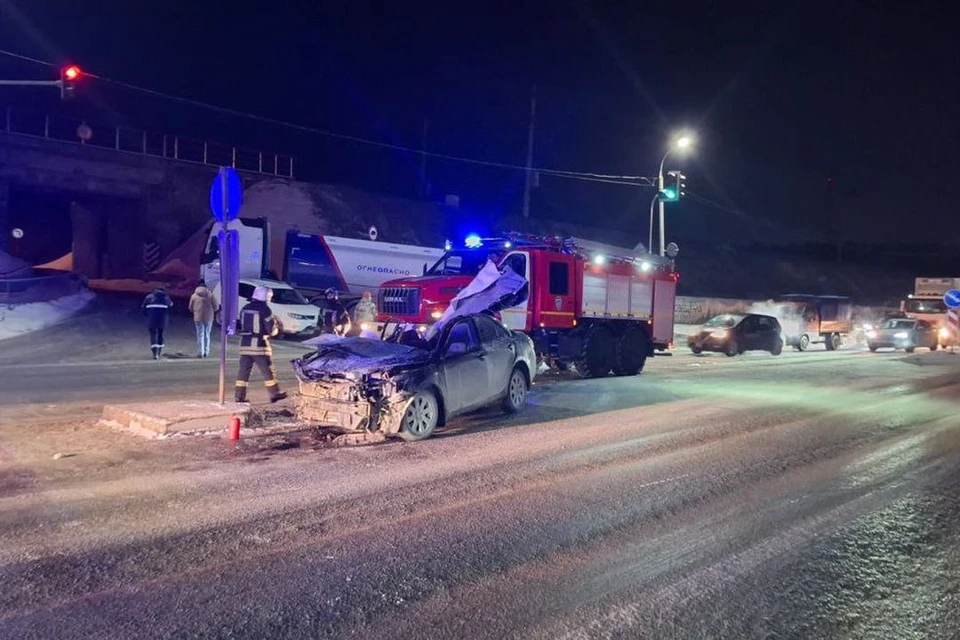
(295, 313)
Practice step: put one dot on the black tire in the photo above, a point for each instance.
(632, 349)
(420, 417)
(934, 346)
(517, 388)
(731, 349)
(872, 347)
(910, 349)
(696, 350)
(777, 347)
(598, 354)
(833, 341)
(803, 342)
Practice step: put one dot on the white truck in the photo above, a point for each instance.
(926, 303)
(314, 263)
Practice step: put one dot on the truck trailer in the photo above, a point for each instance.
(313, 263)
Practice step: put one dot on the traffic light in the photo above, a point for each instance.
(68, 80)
(674, 186)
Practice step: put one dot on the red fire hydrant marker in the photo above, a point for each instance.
(233, 430)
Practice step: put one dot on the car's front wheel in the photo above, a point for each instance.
(517, 390)
(421, 416)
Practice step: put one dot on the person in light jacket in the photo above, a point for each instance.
(201, 306)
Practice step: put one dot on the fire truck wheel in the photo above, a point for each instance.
(934, 346)
(516, 395)
(631, 355)
(803, 343)
(598, 354)
(833, 341)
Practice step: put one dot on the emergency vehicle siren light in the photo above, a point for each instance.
(473, 241)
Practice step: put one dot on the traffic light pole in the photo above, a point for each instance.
(660, 201)
(31, 83)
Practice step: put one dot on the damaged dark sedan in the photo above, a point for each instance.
(417, 378)
(409, 387)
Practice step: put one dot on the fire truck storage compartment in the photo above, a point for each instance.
(664, 306)
(607, 295)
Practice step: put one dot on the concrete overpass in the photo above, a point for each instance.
(104, 191)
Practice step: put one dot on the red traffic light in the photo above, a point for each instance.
(72, 72)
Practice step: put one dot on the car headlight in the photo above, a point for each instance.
(719, 333)
(943, 332)
(900, 335)
(436, 315)
(364, 326)
(867, 327)
(871, 334)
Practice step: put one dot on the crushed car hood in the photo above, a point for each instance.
(357, 357)
(491, 291)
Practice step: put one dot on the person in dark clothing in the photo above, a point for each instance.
(257, 326)
(156, 306)
(336, 318)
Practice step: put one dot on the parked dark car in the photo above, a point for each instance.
(409, 386)
(903, 333)
(734, 333)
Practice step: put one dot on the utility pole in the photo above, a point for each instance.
(424, 187)
(530, 132)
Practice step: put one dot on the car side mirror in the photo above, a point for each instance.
(457, 349)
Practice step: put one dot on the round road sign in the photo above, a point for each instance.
(17, 233)
(226, 195)
(952, 298)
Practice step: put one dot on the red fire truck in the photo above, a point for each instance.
(599, 307)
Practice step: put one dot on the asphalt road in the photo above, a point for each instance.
(811, 495)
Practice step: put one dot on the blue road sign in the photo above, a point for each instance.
(952, 298)
(226, 194)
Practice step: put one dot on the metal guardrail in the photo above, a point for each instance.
(161, 145)
(39, 288)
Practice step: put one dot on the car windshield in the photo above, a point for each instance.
(464, 262)
(727, 320)
(925, 306)
(288, 296)
(899, 324)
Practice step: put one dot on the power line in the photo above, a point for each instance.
(580, 175)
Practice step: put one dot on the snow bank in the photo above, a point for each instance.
(11, 267)
(34, 316)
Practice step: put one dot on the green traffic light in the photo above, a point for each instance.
(669, 194)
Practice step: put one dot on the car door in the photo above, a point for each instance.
(748, 330)
(500, 351)
(767, 333)
(464, 368)
(922, 334)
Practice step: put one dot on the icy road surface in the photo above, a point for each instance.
(812, 495)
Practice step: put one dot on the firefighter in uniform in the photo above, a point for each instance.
(257, 325)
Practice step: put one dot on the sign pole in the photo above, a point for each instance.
(226, 196)
(225, 227)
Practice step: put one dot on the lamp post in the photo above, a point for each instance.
(681, 143)
(656, 198)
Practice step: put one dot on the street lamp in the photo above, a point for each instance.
(682, 143)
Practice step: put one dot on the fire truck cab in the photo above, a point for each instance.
(599, 307)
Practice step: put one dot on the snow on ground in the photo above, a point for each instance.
(33, 316)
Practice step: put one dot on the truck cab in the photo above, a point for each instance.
(926, 303)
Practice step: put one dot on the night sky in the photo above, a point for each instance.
(783, 96)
